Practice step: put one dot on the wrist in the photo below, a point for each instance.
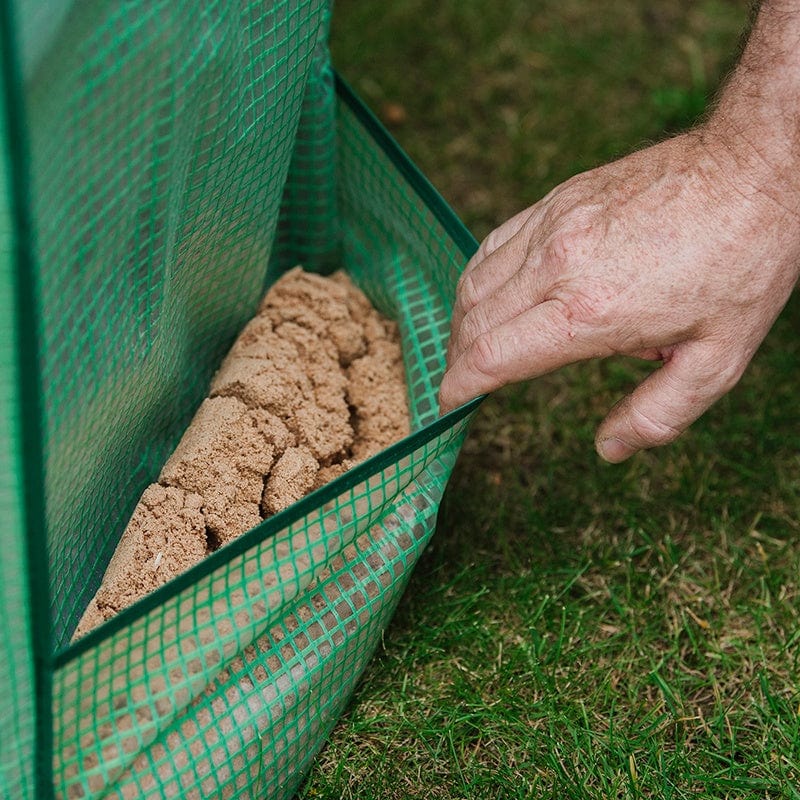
(752, 190)
(756, 119)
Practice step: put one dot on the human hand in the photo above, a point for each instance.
(684, 252)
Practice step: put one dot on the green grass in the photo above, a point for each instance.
(578, 630)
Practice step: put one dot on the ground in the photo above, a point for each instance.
(579, 630)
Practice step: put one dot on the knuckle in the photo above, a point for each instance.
(569, 245)
(467, 293)
(598, 307)
(729, 375)
(560, 249)
(585, 297)
(475, 323)
(594, 307)
(485, 355)
(490, 243)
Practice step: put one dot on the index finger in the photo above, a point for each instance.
(529, 345)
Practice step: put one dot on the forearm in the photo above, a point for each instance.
(757, 115)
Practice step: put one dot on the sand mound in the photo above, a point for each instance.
(313, 385)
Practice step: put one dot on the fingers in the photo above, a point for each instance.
(521, 292)
(533, 343)
(666, 403)
(498, 257)
(499, 236)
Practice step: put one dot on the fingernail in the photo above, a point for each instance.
(614, 450)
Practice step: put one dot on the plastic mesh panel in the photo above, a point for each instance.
(394, 247)
(237, 679)
(152, 711)
(308, 228)
(161, 139)
(182, 155)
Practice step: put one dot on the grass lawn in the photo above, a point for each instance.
(579, 630)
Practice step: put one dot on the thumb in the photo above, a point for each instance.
(666, 403)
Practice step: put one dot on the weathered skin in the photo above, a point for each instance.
(684, 252)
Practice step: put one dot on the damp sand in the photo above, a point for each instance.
(313, 385)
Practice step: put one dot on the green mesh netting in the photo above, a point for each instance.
(17, 690)
(162, 163)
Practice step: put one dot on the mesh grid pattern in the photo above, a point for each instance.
(294, 620)
(384, 223)
(161, 139)
(17, 707)
(182, 155)
(207, 673)
(311, 187)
